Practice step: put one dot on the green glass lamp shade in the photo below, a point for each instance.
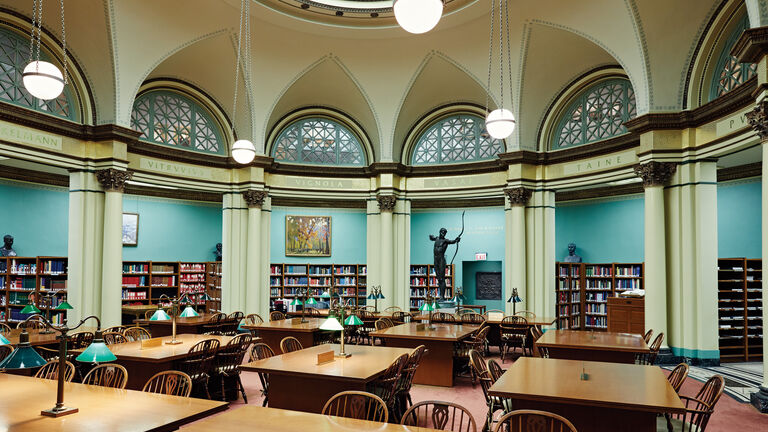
(311, 301)
(188, 312)
(205, 297)
(380, 296)
(30, 309)
(353, 320)
(97, 351)
(331, 324)
(4, 341)
(24, 356)
(296, 302)
(514, 299)
(371, 296)
(160, 315)
(426, 307)
(184, 299)
(64, 306)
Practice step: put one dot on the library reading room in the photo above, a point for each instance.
(383, 215)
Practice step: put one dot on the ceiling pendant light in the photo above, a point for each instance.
(418, 16)
(243, 150)
(44, 80)
(500, 123)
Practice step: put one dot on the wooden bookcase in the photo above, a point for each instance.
(740, 309)
(213, 286)
(145, 281)
(286, 280)
(423, 277)
(39, 276)
(583, 289)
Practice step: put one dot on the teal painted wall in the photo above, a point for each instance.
(484, 232)
(348, 235)
(37, 216)
(610, 230)
(470, 270)
(173, 230)
(738, 219)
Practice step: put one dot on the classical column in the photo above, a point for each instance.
(113, 182)
(387, 270)
(254, 265)
(514, 248)
(758, 119)
(266, 220)
(655, 175)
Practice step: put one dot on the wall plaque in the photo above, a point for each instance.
(488, 285)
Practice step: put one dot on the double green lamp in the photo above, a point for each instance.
(25, 357)
(335, 324)
(161, 315)
(308, 301)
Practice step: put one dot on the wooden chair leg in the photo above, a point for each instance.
(242, 388)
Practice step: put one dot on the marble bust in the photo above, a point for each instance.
(7, 249)
(572, 257)
(217, 252)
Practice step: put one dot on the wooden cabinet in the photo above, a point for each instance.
(626, 315)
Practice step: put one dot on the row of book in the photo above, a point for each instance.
(596, 321)
(596, 308)
(134, 295)
(163, 268)
(192, 288)
(192, 267)
(192, 277)
(21, 268)
(276, 270)
(628, 284)
(597, 296)
(163, 281)
(598, 284)
(601, 271)
(629, 271)
(135, 268)
(54, 266)
(575, 284)
(52, 284)
(134, 281)
(422, 282)
(563, 272)
(345, 281)
(422, 271)
(23, 283)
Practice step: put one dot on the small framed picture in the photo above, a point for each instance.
(130, 229)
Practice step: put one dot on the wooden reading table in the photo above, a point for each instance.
(593, 346)
(156, 356)
(187, 325)
(39, 339)
(100, 408)
(253, 418)
(273, 332)
(138, 311)
(614, 397)
(437, 365)
(297, 382)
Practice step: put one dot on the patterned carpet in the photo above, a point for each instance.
(741, 379)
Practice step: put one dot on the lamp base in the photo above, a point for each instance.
(340, 355)
(53, 412)
(173, 342)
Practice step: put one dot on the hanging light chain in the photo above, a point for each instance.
(237, 62)
(490, 57)
(64, 41)
(501, 55)
(509, 52)
(34, 26)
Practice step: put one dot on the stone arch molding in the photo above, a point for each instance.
(426, 93)
(339, 90)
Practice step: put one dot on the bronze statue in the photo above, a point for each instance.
(441, 244)
(217, 252)
(7, 249)
(572, 257)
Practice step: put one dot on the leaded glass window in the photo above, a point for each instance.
(168, 118)
(14, 57)
(596, 114)
(729, 73)
(455, 139)
(318, 141)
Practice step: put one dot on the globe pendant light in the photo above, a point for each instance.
(418, 16)
(500, 123)
(243, 151)
(44, 80)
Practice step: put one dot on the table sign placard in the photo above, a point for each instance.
(495, 316)
(421, 327)
(325, 357)
(295, 321)
(151, 343)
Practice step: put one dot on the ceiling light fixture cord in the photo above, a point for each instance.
(509, 52)
(37, 22)
(501, 55)
(64, 41)
(237, 63)
(490, 57)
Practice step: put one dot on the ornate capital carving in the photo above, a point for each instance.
(254, 198)
(758, 119)
(112, 179)
(518, 196)
(655, 173)
(386, 202)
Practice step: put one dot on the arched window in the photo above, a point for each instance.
(166, 117)
(454, 139)
(597, 113)
(318, 141)
(729, 73)
(14, 57)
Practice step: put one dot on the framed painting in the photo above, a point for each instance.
(308, 236)
(130, 229)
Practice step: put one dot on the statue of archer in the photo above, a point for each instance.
(441, 245)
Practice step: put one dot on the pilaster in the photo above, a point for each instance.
(540, 253)
(234, 252)
(515, 246)
(373, 244)
(255, 292)
(402, 255)
(387, 270)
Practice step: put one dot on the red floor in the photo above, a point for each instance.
(729, 415)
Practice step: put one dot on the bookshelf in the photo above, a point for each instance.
(213, 286)
(422, 277)
(287, 280)
(740, 309)
(583, 289)
(21, 277)
(145, 281)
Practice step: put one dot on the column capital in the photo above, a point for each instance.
(113, 180)
(758, 119)
(386, 202)
(655, 173)
(518, 196)
(254, 198)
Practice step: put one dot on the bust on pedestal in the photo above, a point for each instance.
(7, 249)
(572, 257)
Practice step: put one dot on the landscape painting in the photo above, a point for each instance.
(130, 229)
(308, 236)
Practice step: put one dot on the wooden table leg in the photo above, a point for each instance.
(305, 394)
